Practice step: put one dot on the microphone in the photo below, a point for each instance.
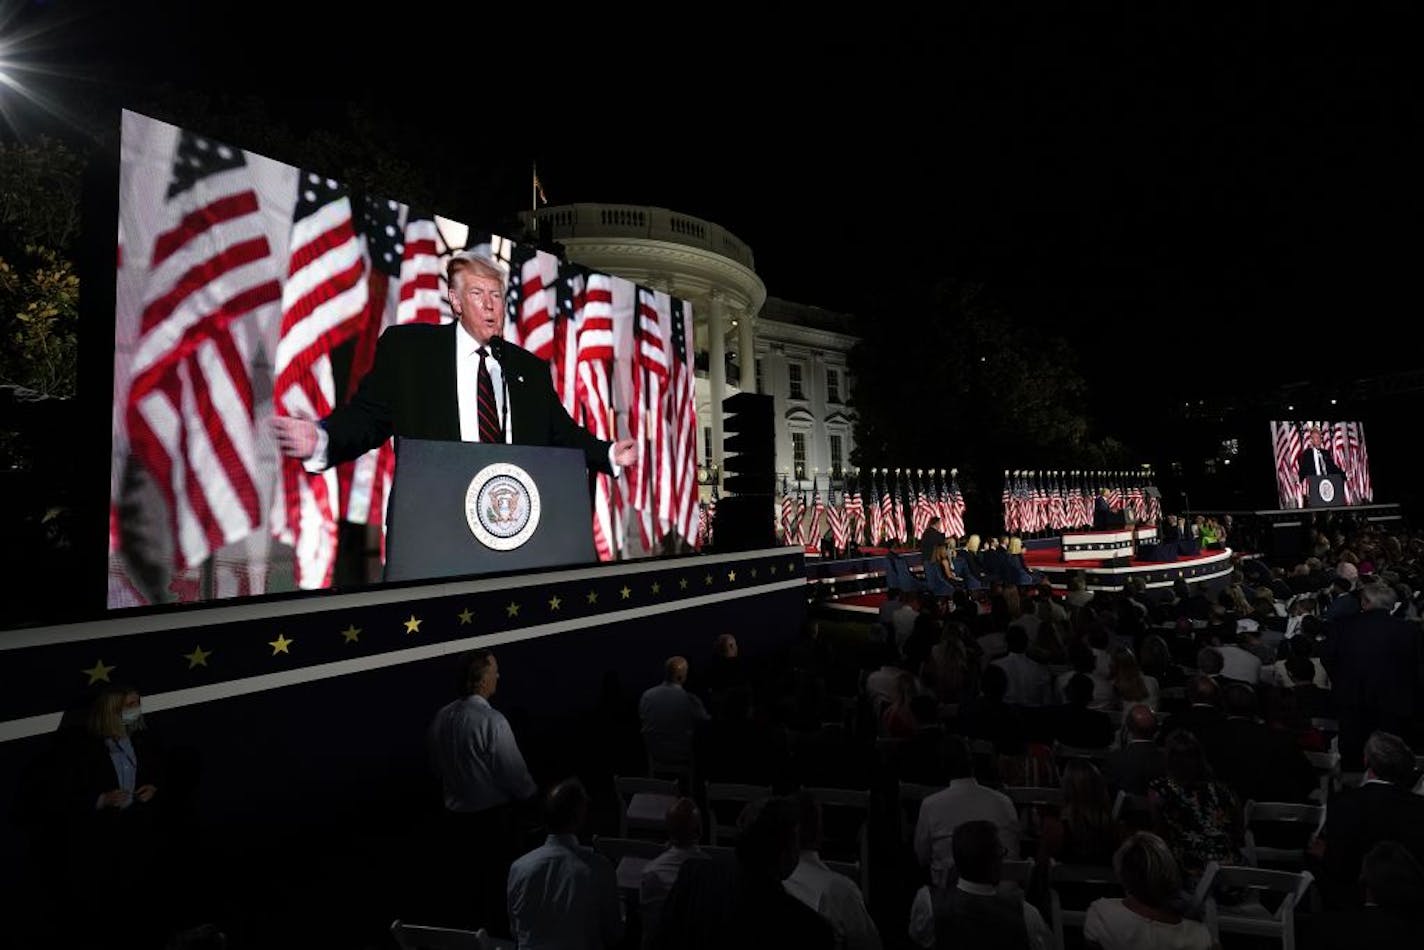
(496, 345)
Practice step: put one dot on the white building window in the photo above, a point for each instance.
(707, 455)
(797, 387)
(760, 383)
(833, 385)
(837, 457)
(798, 455)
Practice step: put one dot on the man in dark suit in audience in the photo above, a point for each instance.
(1383, 808)
(1393, 885)
(1077, 725)
(1259, 763)
(1373, 662)
(1140, 759)
(1203, 716)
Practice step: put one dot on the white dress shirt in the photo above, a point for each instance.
(922, 925)
(475, 755)
(836, 898)
(670, 714)
(964, 800)
(563, 896)
(659, 875)
(1239, 664)
(1029, 680)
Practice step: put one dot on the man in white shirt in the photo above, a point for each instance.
(977, 911)
(670, 714)
(684, 824)
(829, 893)
(963, 800)
(1240, 664)
(1029, 681)
(562, 895)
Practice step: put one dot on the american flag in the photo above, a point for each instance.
(799, 527)
(839, 517)
(594, 405)
(923, 512)
(954, 523)
(189, 410)
(403, 278)
(529, 303)
(563, 356)
(788, 513)
(855, 511)
(902, 504)
(818, 516)
(323, 299)
(1362, 462)
(651, 473)
(1286, 437)
(1010, 503)
(706, 520)
(876, 510)
(683, 415)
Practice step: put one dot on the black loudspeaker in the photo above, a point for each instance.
(746, 518)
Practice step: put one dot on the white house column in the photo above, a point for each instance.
(717, 370)
(746, 352)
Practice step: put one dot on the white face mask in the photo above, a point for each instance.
(130, 715)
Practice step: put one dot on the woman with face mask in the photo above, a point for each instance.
(116, 722)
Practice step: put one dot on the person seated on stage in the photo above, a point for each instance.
(940, 561)
(1171, 529)
(1019, 565)
(973, 560)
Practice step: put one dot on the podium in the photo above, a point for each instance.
(459, 508)
(1325, 491)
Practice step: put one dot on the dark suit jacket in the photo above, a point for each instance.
(411, 392)
(1082, 727)
(1131, 767)
(1373, 662)
(932, 539)
(716, 904)
(1307, 462)
(1260, 763)
(1200, 721)
(1357, 820)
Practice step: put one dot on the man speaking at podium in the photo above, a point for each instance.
(455, 382)
(1315, 458)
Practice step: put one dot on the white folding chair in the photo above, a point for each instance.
(416, 937)
(1017, 872)
(628, 856)
(1252, 919)
(643, 803)
(1308, 819)
(1104, 878)
(729, 793)
(1327, 770)
(1127, 806)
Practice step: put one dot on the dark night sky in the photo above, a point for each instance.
(1245, 190)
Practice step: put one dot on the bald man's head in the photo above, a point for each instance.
(1141, 722)
(676, 669)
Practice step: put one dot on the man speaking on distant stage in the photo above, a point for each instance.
(1315, 458)
(455, 382)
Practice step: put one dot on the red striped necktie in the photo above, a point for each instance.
(490, 430)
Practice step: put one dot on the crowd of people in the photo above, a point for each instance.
(1156, 715)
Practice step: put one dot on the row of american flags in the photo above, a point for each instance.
(877, 509)
(238, 277)
(1344, 440)
(1057, 501)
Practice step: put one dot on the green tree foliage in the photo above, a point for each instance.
(955, 380)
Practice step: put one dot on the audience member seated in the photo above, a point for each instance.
(1084, 831)
(1132, 767)
(988, 717)
(1204, 715)
(1258, 763)
(1078, 593)
(1155, 659)
(924, 634)
(1392, 889)
(963, 800)
(741, 901)
(921, 758)
(1085, 662)
(1383, 808)
(684, 825)
(562, 895)
(1289, 715)
(670, 715)
(971, 911)
(1076, 724)
(1147, 916)
(1238, 662)
(829, 893)
(1210, 662)
(1047, 640)
(1029, 683)
(974, 566)
(897, 616)
(1200, 817)
(948, 671)
(898, 721)
(880, 684)
(1130, 687)
(1301, 648)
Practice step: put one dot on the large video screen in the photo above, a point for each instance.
(249, 289)
(1321, 448)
